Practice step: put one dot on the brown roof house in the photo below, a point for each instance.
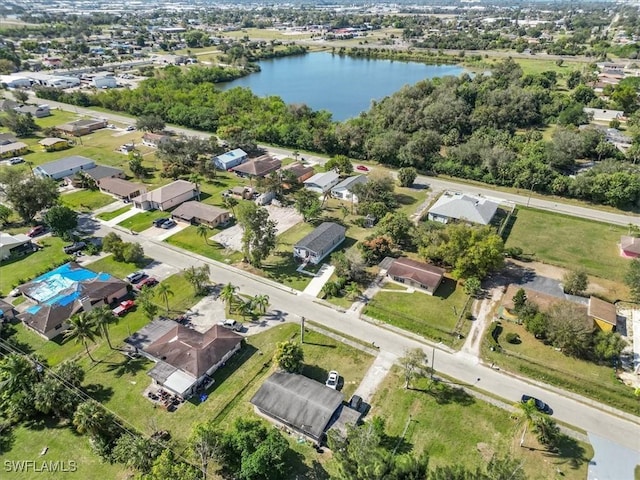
(65, 291)
(258, 167)
(308, 407)
(603, 314)
(421, 276)
(300, 171)
(123, 189)
(167, 197)
(630, 246)
(201, 213)
(185, 358)
(82, 127)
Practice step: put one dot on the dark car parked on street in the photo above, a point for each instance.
(540, 405)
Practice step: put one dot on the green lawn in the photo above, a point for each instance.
(111, 215)
(570, 242)
(280, 265)
(190, 240)
(456, 428)
(15, 272)
(117, 269)
(86, 200)
(434, 316)
(64, 446)
(535, 359)
(143, 220)
(57, 117)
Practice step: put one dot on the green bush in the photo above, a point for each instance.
(513, 338)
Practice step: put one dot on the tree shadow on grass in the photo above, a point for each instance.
(127, 366)
(98, 392)
(569, 452)
(446, 288)
(444, 394)
(403, 199)
(7, 438)
(298, 469)
(8, 332)
(316, 373)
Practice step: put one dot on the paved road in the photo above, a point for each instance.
(432, 182)
(582, 414)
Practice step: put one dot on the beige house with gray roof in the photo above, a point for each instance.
(167, 197)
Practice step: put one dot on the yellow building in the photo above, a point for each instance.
(53, 144)
(603, 314)
(13, 149)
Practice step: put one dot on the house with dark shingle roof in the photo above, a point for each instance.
(420, 275)
(300, 171)
(201, 213)
(319, 243)
(603, 314)
(258, 167)
(186, 359)
(299, 403)
(100, 172)
(121, 188)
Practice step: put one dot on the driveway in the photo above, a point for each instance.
(375, 375)
(611, 461)
(160, 234)
(206, 313)
(159, 270)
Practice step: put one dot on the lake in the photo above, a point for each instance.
(342, 85)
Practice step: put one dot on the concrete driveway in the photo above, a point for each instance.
(159, 270)
(611, 461)
(160, 234)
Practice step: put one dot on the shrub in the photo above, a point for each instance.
(513, 338)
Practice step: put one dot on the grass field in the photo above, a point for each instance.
(13, 271)
(86, 200)
(457, 428)
(143, 220)
(535, 359)
(117, 269)
(190, 240)
(570, 242)
(115, 213)
(434, 316)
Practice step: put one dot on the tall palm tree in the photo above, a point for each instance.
(260, 303)
(164, 291)
(91, 418)
(103, 316)
(228, 294)
(246, 308)
(230, 202)
(528, 414)
(16, 373)
(197, 179)
(82, 328)
(203, 231)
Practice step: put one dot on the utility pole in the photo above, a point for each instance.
(301, 329)
(433, 361)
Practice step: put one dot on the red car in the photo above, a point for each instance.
(35, 231)
(123, 308)
(362, 168)
(147, 282)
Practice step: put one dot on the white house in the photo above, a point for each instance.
(168, 196)
(464, 208)
(105, 81)
(319, 243)
(343, 190)
(322, 182)
(12, 243)
(65, 167)
(230, 159)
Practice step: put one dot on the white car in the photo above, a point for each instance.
(332, 381)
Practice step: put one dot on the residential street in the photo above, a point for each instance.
(578, 411)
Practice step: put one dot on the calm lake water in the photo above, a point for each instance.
(344, 85)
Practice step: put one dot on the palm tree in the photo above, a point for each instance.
(228, 294)
(90, 418)
(352, 290)
(547, 431)
(203, 231)
(82, 328)
(261, 303)
(17, 373)
(197, 179)
(103, 316)
(164, 291)
(230, 202)
(527, 414)
(246, 309)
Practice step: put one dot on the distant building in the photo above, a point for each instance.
(167, 197)
(630, 246)
(105, 81)
(154, 139)
(12, 149)
(322, 182)
(258, 167)
(7, 138)
(37, 111)
(230, 159)
(65, 291)
(300, 171)
(100, 172)
(319, 243)
(82, 127)
(464, 208)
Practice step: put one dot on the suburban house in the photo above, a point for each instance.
(100, 172)
(630, 246)
(245, 193)
(600, 115)
(13, 149)
(65, 291)
(7, 138)
(154, 139)
(81, 127)
(319, 243)
(422, 276)
(464, 208)
(166, 197)
(322, 182)
(201, 214)
(13, 244)
(37, 111)
(123, 189)
(65, 167)
(258, 167)
(230, 159)
(603, 314)
(7, 313)
(306, 406)
(300, 171)
(544, 300)
(184, 358)
(53, 144)
(343, 190)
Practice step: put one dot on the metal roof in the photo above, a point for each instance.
(322, 237)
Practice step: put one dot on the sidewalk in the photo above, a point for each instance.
(120, 218)
(317, 282)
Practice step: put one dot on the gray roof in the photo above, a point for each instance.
(322, 237)
(6, 138)
(299, 401)
(150, 333)
(349, 182)
(200, 211)
(102, 171)
(167, 192)
(322, 179)
(65, 164)
(461, 206)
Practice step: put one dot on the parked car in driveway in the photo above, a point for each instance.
(74, 247)
(539, 404)
(37, 230)
(332, 381)
(159, 221)
(123, 308)
(16, 160)
(147, 282)
(362, 168)
(135, 277)
(231, 325)
(168, 224)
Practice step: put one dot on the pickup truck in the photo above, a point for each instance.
(231, 325)
(123, 308)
